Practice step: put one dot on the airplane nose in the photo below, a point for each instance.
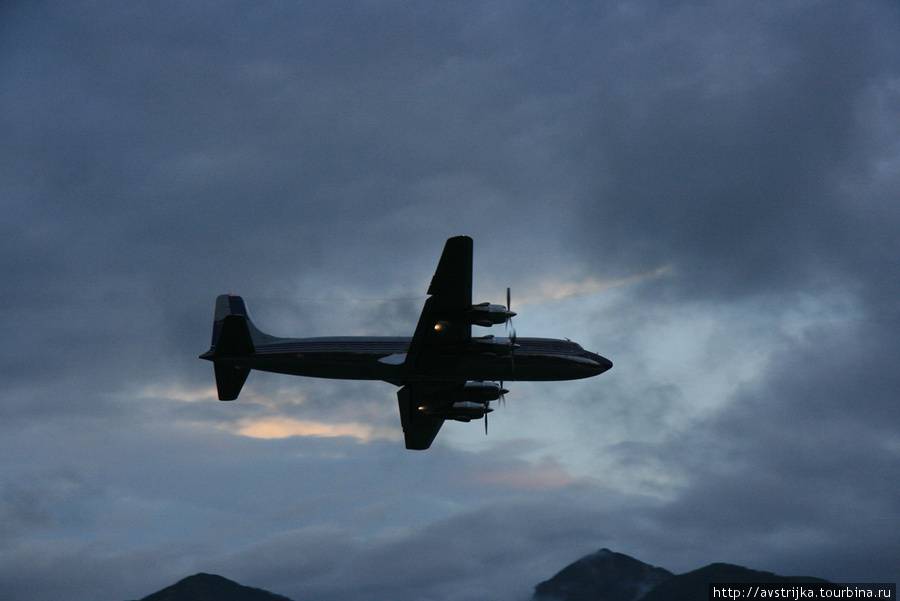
(605, 364)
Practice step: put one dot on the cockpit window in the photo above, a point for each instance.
(573, 348)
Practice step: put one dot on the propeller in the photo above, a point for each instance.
(511, 333)
(487, 409)
(510, 313)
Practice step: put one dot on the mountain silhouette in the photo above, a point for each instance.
(695, 585)
(602, 576)
(209, 587)
(609, 576)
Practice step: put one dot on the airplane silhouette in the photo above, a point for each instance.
(444, 372)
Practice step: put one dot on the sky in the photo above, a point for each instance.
(703, 192)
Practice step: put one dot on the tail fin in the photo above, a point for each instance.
(234, 335)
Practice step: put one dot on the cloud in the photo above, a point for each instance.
(552, 291)
(282, 428)
(734, 188)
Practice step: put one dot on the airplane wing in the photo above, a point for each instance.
(443, 325)
(442, 332)
(419, 429)
(424, 406)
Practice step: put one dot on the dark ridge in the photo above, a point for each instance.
(602, 576)
(209, 587)
(694, 586)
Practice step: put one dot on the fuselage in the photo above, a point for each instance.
(384, 358)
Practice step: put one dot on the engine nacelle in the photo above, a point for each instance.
(491, 345)
(483, 392)
(487, 315)
(464, 411)
(465, 403)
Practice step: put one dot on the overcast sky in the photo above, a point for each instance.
(704, 192)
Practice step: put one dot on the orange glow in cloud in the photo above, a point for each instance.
(552, 291)
(280, 427)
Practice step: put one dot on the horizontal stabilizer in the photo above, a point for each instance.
(230, 380)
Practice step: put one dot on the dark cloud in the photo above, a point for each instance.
(721, 154)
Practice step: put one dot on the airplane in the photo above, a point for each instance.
(443, 371)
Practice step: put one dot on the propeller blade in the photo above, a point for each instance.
(510, 328)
